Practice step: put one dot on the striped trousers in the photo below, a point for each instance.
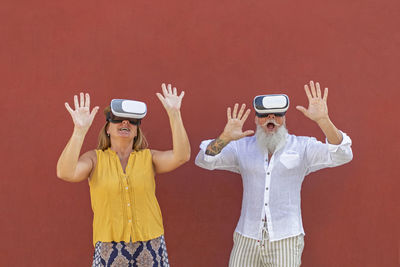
(249, 252)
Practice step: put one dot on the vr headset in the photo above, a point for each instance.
(276, 104)
(123, 109)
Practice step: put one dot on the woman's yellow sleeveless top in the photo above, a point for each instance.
(124, 204)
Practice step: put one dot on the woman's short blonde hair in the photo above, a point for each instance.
(139, 142)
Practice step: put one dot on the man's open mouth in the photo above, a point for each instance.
(270, 126)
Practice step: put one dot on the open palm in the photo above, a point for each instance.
(170, 99)
(317, 105)
(81, 116)
(233, 128)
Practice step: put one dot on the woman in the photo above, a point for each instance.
(127, 222)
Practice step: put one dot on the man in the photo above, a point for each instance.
(273, 164)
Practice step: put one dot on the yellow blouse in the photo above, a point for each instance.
(124, 203)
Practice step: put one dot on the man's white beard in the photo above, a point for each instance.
(269, 142)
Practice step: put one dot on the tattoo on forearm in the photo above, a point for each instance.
(215, 147)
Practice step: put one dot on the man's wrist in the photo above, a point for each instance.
(224, 137)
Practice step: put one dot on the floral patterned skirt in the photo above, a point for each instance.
(152, 253)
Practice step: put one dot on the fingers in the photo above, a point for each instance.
(309, 96)
(326, 94)
(76, 102)
(241, 111)
(82, 98)
(246, 115)
(235, 108)
(162, 99)
(302, 109)
(228, 113)
(248, 132)
(235, 115)
(313, 92)
(182, 95)
(70, 110)
(94, 112)
(318, 90)
(169, 90)
(164, 89)
(82, 102)
(87, 101)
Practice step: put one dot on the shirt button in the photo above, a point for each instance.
(130, 221)
(266, 188)
(266, 204)
(126, 188)
(268, 173)
(129, 204)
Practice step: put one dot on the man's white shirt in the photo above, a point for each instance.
(271, 187)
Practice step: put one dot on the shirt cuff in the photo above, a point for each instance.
(346, 141)
(203, 147)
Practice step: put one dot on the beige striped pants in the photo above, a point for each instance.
(249, 252)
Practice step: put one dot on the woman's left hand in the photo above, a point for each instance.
(170, 99)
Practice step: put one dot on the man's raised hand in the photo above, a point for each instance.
(317, 105)
(233, 128)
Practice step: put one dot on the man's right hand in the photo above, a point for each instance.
(233, 128)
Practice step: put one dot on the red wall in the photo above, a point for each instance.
(219, 52)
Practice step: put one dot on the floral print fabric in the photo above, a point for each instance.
(152, 253)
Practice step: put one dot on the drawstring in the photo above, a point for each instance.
(264, 234)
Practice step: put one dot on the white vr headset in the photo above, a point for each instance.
(123, 109)
(276, 104)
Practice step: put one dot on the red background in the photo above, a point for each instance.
(219, 52)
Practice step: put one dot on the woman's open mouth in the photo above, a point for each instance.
(123, 129)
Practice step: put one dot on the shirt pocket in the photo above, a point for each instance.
(290, 159)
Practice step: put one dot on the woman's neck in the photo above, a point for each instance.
(123, 149)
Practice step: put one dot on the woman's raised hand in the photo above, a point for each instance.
(170, 99)
(81, 116)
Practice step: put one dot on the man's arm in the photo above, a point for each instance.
(220, 153)
(232, 131)
(320, 155)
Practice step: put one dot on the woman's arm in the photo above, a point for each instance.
(71, 167)
(165, 161)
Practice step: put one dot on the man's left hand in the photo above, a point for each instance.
(317, 105)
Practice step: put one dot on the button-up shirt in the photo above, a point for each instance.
(125, 207)
(271, 187)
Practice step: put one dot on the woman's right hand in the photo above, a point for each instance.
(81, 116)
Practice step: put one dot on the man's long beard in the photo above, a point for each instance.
(270, 142)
